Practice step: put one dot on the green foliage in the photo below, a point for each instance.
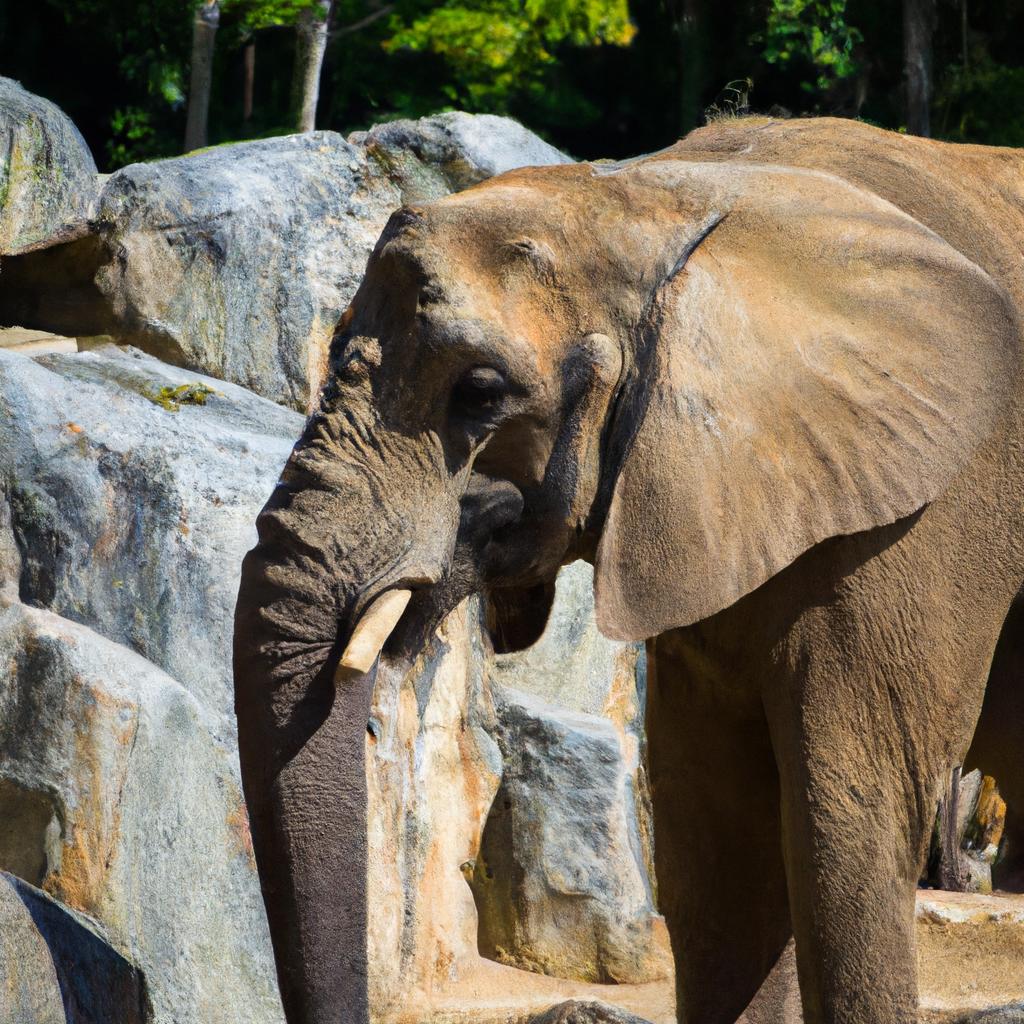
(495, 50)
(254, 15)
(173, 398)
(815, 33)
(982, 103)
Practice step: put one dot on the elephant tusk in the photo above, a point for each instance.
(373, 630)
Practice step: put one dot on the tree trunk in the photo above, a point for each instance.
(310, 45)
(204, 31)
(249, 79)
(693, 46)
(918, 27)
(953, 874)
(963, 33)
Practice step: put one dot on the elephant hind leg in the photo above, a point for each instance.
(998, 745)
(721, 878)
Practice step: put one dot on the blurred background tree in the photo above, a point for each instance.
(595, 77)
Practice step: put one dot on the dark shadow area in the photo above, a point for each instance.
(54, 289)
(998, 744)
(29, 831)
(97, 984)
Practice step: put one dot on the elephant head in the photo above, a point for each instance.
(688, 373)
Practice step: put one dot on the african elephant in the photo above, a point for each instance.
(769, 382)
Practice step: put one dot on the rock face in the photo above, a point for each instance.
(560, 882)
(132, 518)
(152, 839)
(433, 769)
(48, 177)
(448, 152)
(56, 968)
(563, 881)
(239, 260)
(122, 525)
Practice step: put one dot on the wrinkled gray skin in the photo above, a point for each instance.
(781, 410)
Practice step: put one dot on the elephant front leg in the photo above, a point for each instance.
(715, 793)
(305, 786)
(869, 717)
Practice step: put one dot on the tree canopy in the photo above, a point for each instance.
(595, 77)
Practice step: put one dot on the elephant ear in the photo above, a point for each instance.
(819, 364)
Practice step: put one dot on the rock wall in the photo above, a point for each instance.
(123, 526)
(129, 485)
(237, 261)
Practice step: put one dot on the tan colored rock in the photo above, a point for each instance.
(434, 768)
(432, 771)
(970, 950)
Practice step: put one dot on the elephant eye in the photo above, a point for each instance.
(479, 392)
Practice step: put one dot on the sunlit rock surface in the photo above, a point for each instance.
(238, 260)
(48, 179)
(151, 838)
(448, 152)
(131, 517)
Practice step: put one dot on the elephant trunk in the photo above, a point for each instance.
(301, 746)
(342, 540)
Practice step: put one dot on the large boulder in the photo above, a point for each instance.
(130, 508)
(444, 153)
(559, 882)
(564, 880)
(128, 494)
(48, 179)
(238, 261)
(126, 787)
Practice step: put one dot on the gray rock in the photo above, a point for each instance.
(152, 840)
(119, 788)
(448, 152)
(48, 178)
(29, 988)
(560, 883)
(576, 1011)
(131, 518)
(73, 973)
(238, 261)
